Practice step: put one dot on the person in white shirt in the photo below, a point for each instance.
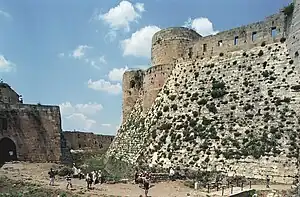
(171, 174)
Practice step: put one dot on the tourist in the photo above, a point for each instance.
(136, 176)
(52, 176)
(171, 174)
(69, 181)
(89, 180)
(146, 186)
(268, 181)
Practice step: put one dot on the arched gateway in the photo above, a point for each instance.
(8, 150)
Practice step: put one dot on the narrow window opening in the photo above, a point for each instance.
(190, 54)
(3, 124)
(220, 43)
(204, 47)
(254, 34)
(79, 145)
(273, 32)
(236, 40)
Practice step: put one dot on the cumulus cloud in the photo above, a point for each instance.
(80, 51)
(78, 121)
(140, 7)
(6, 65)
(201, 25)
(88, 109)
(139, 44)
(116, 74)
(105, 86)
(76, 116)
(122, 15)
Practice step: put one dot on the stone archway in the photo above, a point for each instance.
(8, 150)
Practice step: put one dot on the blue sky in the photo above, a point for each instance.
(73, 53)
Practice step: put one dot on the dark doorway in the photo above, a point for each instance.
(8, 151)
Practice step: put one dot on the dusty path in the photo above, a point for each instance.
(37, 173)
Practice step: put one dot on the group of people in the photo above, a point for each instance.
(90, 178)
(94, 177)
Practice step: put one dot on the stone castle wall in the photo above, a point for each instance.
(293, 41)
(87, 141)
(247, 127)
(246, 37)
(132, 86)
(34, 129)
(179, 43)
(154, 79)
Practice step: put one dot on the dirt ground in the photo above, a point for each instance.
(37, 173)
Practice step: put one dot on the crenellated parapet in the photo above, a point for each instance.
(241, 38)
(178, 44)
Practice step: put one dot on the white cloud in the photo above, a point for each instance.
(201, 25)
(116, 74)
(122, 15)
(139, 44)
(106, 125)
(140, 7)
(102, 59)
(5, 14)
(76, 116)
(106, 86)
(111, 36)
(87, 109)
(94, 62)
(80, 51)
(6, 65)
(78, 121)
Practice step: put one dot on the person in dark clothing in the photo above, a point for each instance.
(52, 176)
(146, 186)
(136, 176)
(69, 181)
(268, 181)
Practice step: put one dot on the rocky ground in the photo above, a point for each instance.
(32, 180)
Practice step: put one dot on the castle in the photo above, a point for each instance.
(33, 132)
(175, 44)
(227, 102)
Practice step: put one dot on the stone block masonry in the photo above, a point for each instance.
(227, 102)
(31, 131)
(87, 141)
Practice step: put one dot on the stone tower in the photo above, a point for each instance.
(168, 45)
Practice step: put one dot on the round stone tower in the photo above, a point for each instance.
(168, 45)
(171, 43)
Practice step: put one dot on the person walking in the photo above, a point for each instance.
(52, 176)
(69, 181)
(268, 181)
(146, 186)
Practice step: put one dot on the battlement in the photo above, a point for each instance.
(179, 44)
(38, 107)
(87, 140)
(241, 38)
(175, 33)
